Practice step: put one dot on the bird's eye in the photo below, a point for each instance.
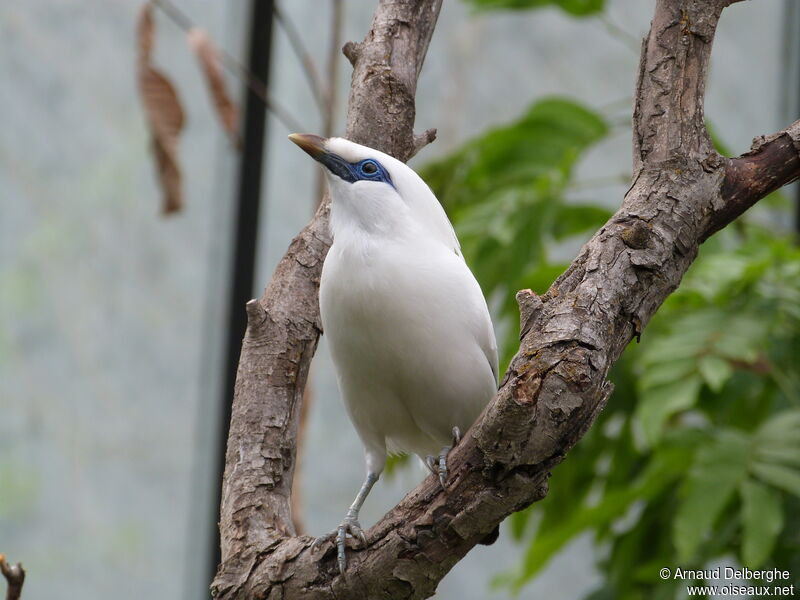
(369, 168)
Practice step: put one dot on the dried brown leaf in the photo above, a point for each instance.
(164, 114)
(145, 33)
(211, 65)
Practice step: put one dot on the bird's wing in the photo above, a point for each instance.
(438, 221)
(434, 217)
(481, 321)
(427, 208)
(488, 344)
(446, 230)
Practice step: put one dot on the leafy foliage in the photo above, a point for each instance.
(505, 192)
(697, 456)
(579, 8)
(708, 401)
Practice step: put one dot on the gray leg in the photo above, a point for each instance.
(350, 524)
(439, 467)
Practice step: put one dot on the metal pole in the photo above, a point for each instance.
(245, 233)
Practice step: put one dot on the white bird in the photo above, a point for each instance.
(408, 326)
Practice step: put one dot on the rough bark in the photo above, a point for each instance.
(14, 576)
(682, 192)
(284, 325)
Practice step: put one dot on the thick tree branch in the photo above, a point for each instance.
(386, 66)
(668, 116)
(571, 336)
(772, 162)
(284, 326)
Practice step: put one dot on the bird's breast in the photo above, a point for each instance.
(398, 307)
(360, 289)
(401, 320)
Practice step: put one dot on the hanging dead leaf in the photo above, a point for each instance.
(166, 123)
(145, 33)
(164, 114)
(210, 63)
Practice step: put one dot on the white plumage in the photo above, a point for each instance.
(408, 327)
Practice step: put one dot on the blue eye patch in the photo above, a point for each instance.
(368, 169)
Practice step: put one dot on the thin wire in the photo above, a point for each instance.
(259, 89)
(182, 20)
(176, 14)
(310, 70)
(628, 39)
(334, 56)
(599, 182)
(614, 105)
(331, 90)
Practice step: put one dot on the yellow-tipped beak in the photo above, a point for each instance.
(313, 145)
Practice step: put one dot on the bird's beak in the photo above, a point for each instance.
(313, 145)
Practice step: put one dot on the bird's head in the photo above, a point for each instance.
(369, 190)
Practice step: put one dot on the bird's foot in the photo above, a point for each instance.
(456, 436)
(438, 465)
(349, 525)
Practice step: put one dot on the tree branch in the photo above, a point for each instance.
(571, 336)
(772, 162)
(386, 66)
(15, 578)
(284, 326)
(668, 117)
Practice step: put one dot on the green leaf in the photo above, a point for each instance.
(541, 277)
(737, 336)
(782, 477)
(536, 153)
(660, 473)
(395, 462)
(782, 429)
(715, 371)
(762, 521)
(577, 218)
(683, 343)
(741, 338)
(777, 440)
(713, 276)
(605, 592)
(505, 193)
(718, 468)
(660, 403)
(666, 372)
(580, 8)
(546, 546)
(790, 455)
(518, 523)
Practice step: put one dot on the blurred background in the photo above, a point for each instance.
(118, 325)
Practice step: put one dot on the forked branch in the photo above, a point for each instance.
(556, 385)
(284, 326)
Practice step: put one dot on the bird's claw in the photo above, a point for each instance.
(456, 436)
(438, 466)
(348, 525)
